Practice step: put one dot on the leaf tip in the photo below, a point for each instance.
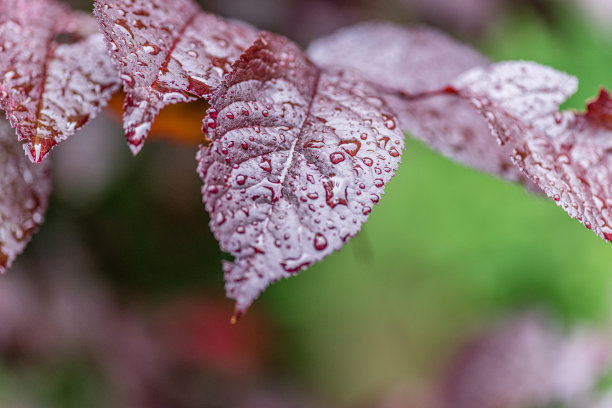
(236, 316)
(37, 151)
(599, 110)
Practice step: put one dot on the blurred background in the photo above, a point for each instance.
(461, 291)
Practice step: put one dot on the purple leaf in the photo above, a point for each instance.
(54, 71)
(167, 52)
(24, 189)
(567, 154)
(415, 61)
(299, 158)
(527, 361)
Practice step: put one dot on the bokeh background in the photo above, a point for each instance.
(462, 290)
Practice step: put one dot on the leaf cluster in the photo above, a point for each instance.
(297, 146)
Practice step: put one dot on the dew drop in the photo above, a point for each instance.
(220, 219)
(389, 121)
(320, 242)
(230, 115)
(211, 123)
(336, 157)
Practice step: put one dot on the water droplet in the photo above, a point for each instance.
(379, 182)
(351, 146)
(320, 242)
(563, 158)
(265, 113)
(211, 123)
(192, 54)
(245, 112)
(367, 161)
(244, 145)
(336, 157)
(230, 115)
(389, 121)
(213, 113)
(151, 49)
(241, 179)
(220, 219)
(240, 229)
(266, 164)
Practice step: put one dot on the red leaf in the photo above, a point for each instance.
(299, 157)
(415, 61)
(55, 74)
(167, 52)
(24, 189)
(568, 154)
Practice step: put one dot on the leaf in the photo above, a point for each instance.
(54, 71)
(408, 63)
(568, 154)
(181, 123)
(527, 361)
(167, 52)
(298, 159)
(24, 190)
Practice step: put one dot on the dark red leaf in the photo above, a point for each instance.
(55, 73)
(567, 154)
(415, 61)
(24, 189)
(299, 158)
(167, 52)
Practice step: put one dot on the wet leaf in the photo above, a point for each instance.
(180, 123)
(24, 190)
(415, 61)
(299, 158)
(167, 52)
(567, 154)
(55, 73)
